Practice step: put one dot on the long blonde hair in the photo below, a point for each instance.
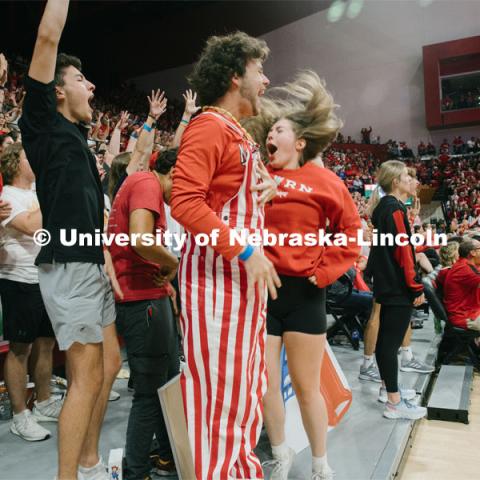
(308, 105)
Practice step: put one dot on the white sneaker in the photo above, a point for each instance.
(48, 411)
(114, 396)
(25, 426)
(326, 474)
(404, 409)
(281, 465)
(97, 472)
(405, 393)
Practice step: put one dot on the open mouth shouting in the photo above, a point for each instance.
(271, 149)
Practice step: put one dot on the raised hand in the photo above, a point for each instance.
(267, 187)
(190, 103)
(123, 122)
(158, 104)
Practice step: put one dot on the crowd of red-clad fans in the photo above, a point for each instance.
(453, 166)
(457, 100)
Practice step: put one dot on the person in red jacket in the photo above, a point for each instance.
(461, 287)
(309, 199)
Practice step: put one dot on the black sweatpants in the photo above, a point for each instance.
(394, 321)
(151, 339)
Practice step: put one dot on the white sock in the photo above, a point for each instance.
(407, 354)
(320, 464)
(88, 469)
(367, 360)
(21, 414)
(280, 451)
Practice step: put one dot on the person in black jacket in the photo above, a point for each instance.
(395, 286)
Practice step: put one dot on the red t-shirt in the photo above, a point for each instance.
(308, 198)
(140, 190)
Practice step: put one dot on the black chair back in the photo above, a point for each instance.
(434, 301)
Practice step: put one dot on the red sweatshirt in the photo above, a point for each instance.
(461, 292)
(308, 199)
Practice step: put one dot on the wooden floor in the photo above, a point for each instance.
(446, 450)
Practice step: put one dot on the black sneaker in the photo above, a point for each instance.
(163, 468)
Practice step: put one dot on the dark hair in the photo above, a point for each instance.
(64, 61)
(117, 169)
(221, 59)
(165, 161)
(465, 248)
(459, 239)
(416, 228)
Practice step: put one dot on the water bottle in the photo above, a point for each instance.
(5, 406)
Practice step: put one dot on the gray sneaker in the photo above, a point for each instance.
(415, 366)
(404, 410)
(370, 373)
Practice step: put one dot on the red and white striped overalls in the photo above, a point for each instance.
(224, 331)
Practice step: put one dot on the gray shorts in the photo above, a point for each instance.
(79, 301)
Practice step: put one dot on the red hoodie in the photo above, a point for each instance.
(308, 199)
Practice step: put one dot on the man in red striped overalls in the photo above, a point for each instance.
(221, 185)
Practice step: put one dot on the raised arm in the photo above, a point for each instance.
(114, 145)
(190, 108)
(144, 145)
(50, 30)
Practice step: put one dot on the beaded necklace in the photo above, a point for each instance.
(227, 114)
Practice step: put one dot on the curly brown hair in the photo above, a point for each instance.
(221, 59)
(10, 162)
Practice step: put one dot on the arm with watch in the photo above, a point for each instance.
(143, 147)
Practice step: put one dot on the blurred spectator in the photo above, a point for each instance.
(27, 325)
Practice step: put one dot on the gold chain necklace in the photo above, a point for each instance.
(227, 114)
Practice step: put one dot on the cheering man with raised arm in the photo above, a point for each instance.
(220, 185)
(75, 289)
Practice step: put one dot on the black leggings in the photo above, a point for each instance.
(394, 321)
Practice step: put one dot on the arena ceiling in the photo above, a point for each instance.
(123, 39)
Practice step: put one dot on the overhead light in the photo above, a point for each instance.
(336, 11)
(354, 8)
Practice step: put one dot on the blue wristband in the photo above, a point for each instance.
(246, 254)
(147, 128)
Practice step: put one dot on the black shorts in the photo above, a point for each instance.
(300, 307)
(24, 316)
